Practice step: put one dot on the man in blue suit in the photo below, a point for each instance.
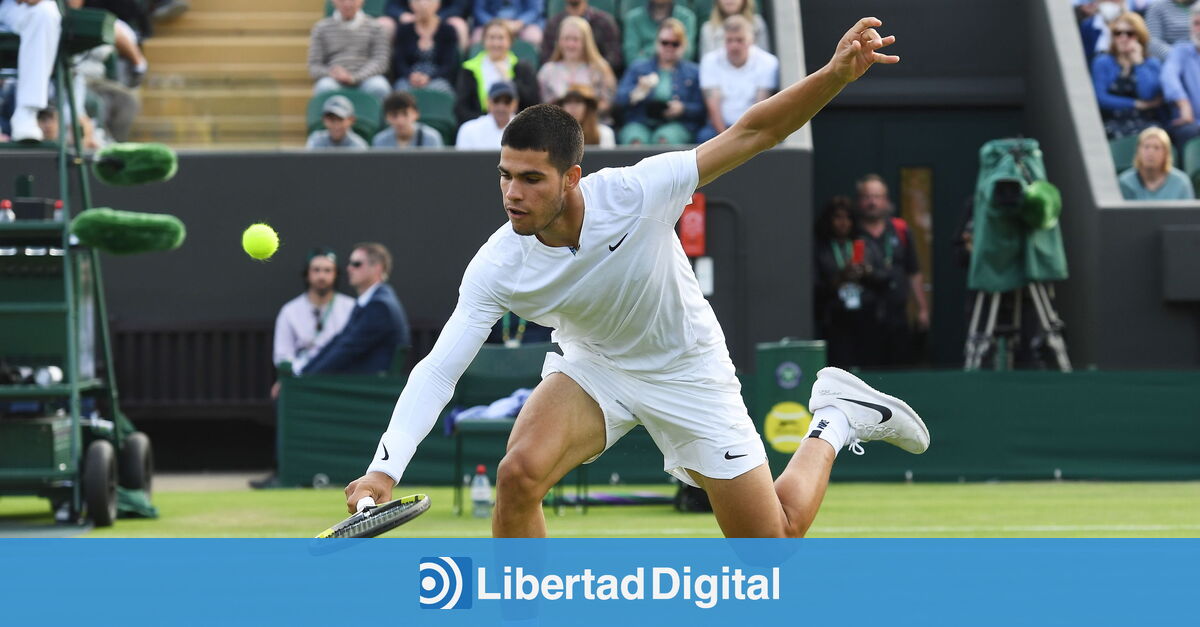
(377, 326)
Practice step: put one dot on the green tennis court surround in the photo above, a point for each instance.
(984, 426)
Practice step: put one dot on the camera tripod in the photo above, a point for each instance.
(1049, 334)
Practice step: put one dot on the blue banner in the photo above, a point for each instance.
(732, 583)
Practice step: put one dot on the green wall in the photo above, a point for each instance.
(983, 425)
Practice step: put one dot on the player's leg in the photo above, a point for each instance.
(559, 428)
(751, 506)
(846, 411)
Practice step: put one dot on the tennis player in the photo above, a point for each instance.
(596, 258)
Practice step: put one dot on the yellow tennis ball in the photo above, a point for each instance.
(260, 241)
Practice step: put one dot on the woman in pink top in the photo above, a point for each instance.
(577, 61)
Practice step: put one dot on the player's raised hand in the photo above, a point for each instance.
(859, 50)
(376, 485)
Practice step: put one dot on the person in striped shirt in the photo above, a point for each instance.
(349, 50)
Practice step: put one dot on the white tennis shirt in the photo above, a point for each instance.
(627, 295)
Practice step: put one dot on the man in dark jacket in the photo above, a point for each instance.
(377, 326)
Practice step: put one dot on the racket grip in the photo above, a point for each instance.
(364, 503)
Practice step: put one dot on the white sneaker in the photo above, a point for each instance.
(24, 125)
(873, 415)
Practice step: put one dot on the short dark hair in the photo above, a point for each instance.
(378, 254)
(399, 102)
(831, 208)
(547, 127)
(320, 251)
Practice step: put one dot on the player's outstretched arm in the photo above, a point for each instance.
(769, 122)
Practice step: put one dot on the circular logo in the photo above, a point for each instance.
(441, 581)
(788, 375)
(786, 426)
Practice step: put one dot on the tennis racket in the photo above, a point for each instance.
(372, 520)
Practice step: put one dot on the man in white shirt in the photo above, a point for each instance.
(640, 343)
(306, 323)
(39, 24)
(485, 131)
(735, 77)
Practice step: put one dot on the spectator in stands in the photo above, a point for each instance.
(1085, 9)
(1095, 29)
(131, 25)
(426, 52)
(661, 95)
(404, 131)
(39, 25)
(581, 103)
(712, 33)
(605, 32)
(1169, 23)
(641, 26)
(338, 117)
(1126, 81)
(891, 276)
(453, 12)
(167, 10)
(1181, 84)
(377, 325)
(47, 120)
(495, 63)
(577, 61)
(839, 289)
(1152, 176)
(485, 131)
(309, 321)
(735, 77)
(349, 50)
(523, 18)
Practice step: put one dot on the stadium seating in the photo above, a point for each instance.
(1123, 149)
(374, 8)
(367, 112)
(437, 110)
(1191, 160)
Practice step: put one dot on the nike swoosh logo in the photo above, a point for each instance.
(385, 453)
(884, 411)
(613, 247)
(728, 456)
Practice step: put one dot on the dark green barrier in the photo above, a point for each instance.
(984, 425)
(330, 425)
(1030, 425)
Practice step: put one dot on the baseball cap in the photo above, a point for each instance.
(502, 88)
(338, 105)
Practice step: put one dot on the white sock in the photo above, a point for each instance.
(830, 424)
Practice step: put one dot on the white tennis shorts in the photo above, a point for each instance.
(700, 424)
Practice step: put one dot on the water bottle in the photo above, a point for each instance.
(481, 493)
(6, 211)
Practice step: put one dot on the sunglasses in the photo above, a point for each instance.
(356, 264)
(1124, 33)
(503, 100)
(670, 43)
